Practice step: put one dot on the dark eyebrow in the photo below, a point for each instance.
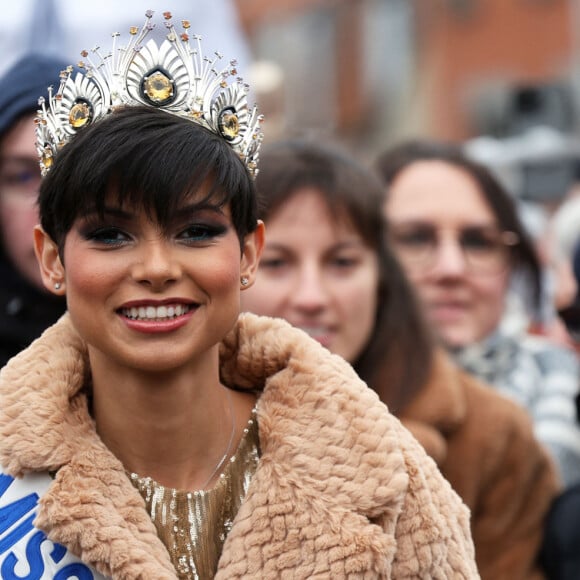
(181, 212)
(187, 210)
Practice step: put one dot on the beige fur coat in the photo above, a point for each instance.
(341, 490)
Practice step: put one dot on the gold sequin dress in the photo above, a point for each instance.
(194, 525)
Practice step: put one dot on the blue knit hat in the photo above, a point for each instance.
(24, 83)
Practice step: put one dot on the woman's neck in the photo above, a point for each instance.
(173, 426)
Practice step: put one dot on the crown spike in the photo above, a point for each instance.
(174, 76)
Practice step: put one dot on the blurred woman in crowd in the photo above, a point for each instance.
(326, 269)
(459, 238)
(26, 308)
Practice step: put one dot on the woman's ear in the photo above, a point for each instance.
(251, 252)
(51, 266)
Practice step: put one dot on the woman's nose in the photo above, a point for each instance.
(310, 292)
(449, 258)
(157, 265)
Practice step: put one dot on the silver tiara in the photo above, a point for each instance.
(173, 76)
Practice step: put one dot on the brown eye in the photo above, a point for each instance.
(478, 240)
(414, 237)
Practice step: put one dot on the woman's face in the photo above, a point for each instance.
(449, 243)
(19, 183)
(146, 297)
(317, 273)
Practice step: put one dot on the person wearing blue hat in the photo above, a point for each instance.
(26, 309)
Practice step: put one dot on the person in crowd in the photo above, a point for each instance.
(457, 234)
(26, 308)
(566, 227)
(560, 556)
(327, 270)
(557, 279)
(153, 432)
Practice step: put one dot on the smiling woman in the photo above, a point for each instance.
(154, 432)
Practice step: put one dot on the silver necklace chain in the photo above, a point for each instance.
(220, 463)
(222, 460)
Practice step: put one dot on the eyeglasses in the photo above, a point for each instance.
(485, 249)
(19, 177)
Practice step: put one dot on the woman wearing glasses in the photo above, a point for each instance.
(326, 269)
(458, 237)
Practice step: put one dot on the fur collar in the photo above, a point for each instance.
(319, 427)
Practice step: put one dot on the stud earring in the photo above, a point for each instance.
(244, 281)
(57, 285)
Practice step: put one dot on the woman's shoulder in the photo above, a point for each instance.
(453, 399)
(459, 407)
(23, 545)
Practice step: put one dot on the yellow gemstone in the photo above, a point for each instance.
(47, 159)
(133, 30)
(186, 24)
(229, 125)
(79, 115)
(158, 87)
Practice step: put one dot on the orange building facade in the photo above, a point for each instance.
(464, 57)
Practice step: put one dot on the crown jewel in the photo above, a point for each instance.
(173, 76)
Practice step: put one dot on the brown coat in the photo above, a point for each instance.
(484, 445)
(341, 490)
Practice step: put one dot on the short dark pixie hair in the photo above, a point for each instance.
(147, 158)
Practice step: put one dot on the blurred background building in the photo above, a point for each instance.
(369, 72)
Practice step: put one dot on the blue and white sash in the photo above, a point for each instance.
(25, 552)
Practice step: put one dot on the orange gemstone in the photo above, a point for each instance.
(185, 24)
(185, 37)
(167, 15)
